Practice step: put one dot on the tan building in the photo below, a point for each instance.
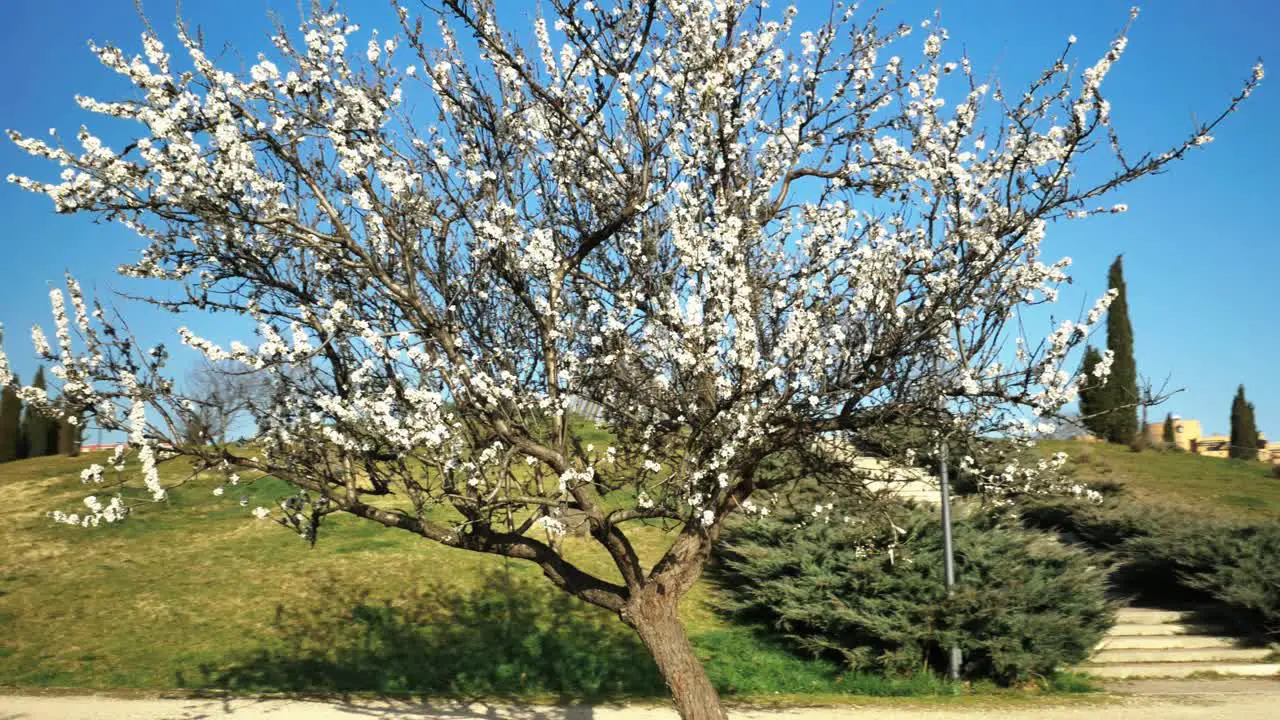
(1185, 433)
(1189, 435)
(1218, 446)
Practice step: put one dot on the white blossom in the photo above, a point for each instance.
(577, 236)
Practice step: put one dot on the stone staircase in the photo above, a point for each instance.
(1149, 643)
(920, 491)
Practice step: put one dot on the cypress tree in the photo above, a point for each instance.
(1253, 427)
(1091, 393)
(10, 424)
(1237, 421)
(1252, 446)
(24, 443)
(1244, 430)
(69, 439)
(35, 425)
(1170, 438)
(1120, 394)
(51, 437)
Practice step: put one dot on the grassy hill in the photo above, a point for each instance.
(1208, 487)
(201, 594)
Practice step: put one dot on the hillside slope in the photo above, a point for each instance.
(180, 593)
(199, 594)
(1208, 487)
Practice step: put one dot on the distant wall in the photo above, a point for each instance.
(1184, 433)
(1189, 435)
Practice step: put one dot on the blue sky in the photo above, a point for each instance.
(1201, 253)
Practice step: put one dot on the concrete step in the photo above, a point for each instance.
(1139, 629)
(1164, 642)
(1178, 670)
(1148, 616)
(1179, 655)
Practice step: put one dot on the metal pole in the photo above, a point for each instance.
(949, 564)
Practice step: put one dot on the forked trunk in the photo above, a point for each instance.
(656, 621)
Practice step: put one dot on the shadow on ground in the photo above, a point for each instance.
(384, 709)
(469, 711)
(1139, 586)
(510, 638)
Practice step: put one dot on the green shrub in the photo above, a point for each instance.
(1173, 553)
(1149, 551)
(1105, 526)
(1252, 581)
(1159, 556)
(1233, 564)
(1024, 605)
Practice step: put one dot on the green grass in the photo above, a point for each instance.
(741, 662)
(198, 594)
(1208, 487)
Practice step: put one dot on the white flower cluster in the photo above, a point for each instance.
(93, 474)
(114, 511)
(552, 526)
(727, 236)
(1044, 477)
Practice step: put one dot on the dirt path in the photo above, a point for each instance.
(1232, 700)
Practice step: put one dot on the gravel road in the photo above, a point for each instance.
(1194, 700)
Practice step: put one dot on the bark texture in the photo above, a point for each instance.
(654, 616)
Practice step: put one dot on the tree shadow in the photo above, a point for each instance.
(1167, 584)
(513, 637)
(429, 710)
(384, 709)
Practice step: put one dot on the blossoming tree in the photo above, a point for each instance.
(737, 239)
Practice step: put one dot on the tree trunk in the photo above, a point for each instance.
(654, 618)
